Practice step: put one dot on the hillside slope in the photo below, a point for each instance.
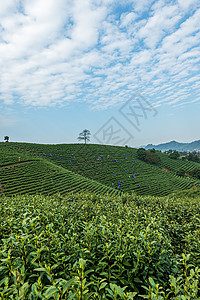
(43, 177)
(115, 167)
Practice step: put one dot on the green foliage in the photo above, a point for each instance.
(180, 172)
(191, 193)
(141, 154)
(152, 157)
(196, 173)
(148, 156)
(174, 155)
(88, 246)
(193, 157)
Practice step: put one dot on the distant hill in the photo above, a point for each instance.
(173, 145)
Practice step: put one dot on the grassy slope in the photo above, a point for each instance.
(82, 159)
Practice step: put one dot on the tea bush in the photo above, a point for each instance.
(88, 246)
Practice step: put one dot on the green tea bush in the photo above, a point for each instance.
(88, 246)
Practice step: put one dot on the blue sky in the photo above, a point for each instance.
(70, 65)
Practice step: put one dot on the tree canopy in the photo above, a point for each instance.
(174, 155)
(6, 138)
(141, 154)
(148, 156)
(196, 173)
(84, 135)
(193, 157)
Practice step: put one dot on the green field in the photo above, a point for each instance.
(87, 246)
(50, 169)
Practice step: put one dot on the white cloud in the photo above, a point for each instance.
(142, 5)
(161, 23)
(127, 19)
(142, 57)
(188, 4)
(52, 52)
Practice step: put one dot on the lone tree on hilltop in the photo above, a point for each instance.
(84, 135)
(6, 138)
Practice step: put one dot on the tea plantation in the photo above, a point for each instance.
(34, 177)
(88, 246)
(48, 169)
(95, 222)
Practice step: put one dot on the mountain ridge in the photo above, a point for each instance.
(174, 145)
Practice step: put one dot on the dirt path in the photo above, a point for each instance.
(165, 169)
(16, 164)
(188, 175)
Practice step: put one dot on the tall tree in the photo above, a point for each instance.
(84, 135)
(6, 138)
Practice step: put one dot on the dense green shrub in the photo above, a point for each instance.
(141, 154)
(152, 158)
(193, 157)
(196, 173)
(180, 172)
(174, 155)
(87, 246)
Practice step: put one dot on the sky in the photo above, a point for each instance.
(128, 71)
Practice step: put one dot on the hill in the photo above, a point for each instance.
(173, 145)
(49, 169)
(34, 175)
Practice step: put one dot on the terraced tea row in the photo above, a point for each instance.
(177, 164)
(116, 167)
(10, 155)
(43, 177)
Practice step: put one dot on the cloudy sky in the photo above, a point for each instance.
(129, 68)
